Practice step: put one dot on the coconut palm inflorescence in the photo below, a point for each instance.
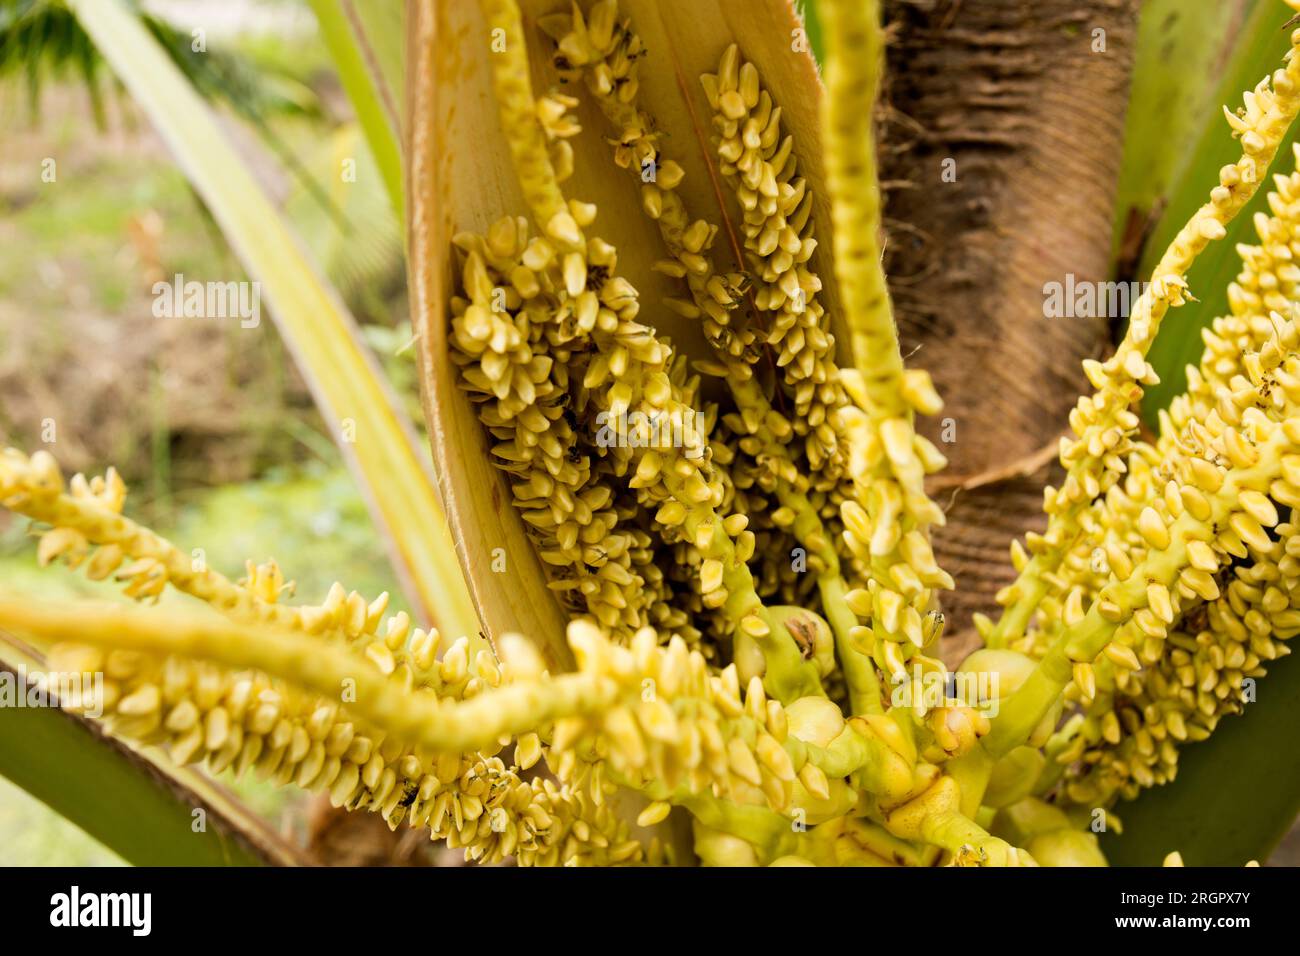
(737, 530)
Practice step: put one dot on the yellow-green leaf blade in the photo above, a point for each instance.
(373, 98)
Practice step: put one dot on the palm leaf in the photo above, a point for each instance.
(40, 37)
(356, 52)
(1181, 51)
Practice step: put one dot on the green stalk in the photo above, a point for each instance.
(355, 59)
(859, 669)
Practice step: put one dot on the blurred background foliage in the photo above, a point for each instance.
(210, 424)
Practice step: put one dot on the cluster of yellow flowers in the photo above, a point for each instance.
(1243, 601)
(517, 354)
(244, 719)
(821, 729)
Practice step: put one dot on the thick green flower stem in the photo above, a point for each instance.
(761, 827)
(862, 756)
(954, 829)
(858, 668)
(959, 835)
(787, 676)
(884, 844)
(767, 831)
(1030, 589)
(972, 771)
(853, 66)
(1054, 769)
(412, 717)
(935, 817)
(773, 836)
(1115, 605)
(1027, 706)
(950, 829)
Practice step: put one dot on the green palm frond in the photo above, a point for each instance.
(40, 39)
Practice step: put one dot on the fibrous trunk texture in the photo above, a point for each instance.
(1001, 141)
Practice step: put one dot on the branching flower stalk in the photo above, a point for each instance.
(606, 51)
(795, 713)
(1140, 601)
(1104, 424)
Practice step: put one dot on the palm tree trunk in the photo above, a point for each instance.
(1002, 131)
